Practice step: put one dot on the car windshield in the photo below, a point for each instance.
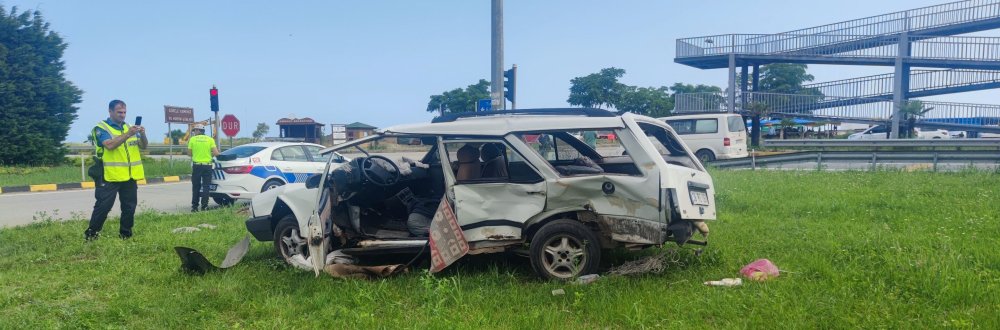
(394, 148)
(242, 151)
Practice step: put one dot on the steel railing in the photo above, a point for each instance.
(870, 159)
(922, 83)
(836, 108)
(862, 33)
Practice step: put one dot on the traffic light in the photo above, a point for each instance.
(510, 84)
(214, 97)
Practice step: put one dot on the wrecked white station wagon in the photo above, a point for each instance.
(510, 180)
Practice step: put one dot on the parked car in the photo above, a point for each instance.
(712, 136)
(561, 208)
(881, 132)
(244, 171)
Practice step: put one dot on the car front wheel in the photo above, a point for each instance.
(564, 249)
(288, 241)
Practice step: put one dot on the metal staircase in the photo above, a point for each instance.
(850, 39)
(922, 83)
(922, 37)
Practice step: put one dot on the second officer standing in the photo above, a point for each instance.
(202, 148)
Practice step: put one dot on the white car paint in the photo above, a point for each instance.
(722, 135)
(635, 211)
(259, 163)
(878, 132)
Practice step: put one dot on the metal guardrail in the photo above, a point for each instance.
(872, 158)
(868, 151)
(76, 149)
(942, 143)
(945, 115)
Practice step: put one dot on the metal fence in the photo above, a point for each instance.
(922, 83)
(861, 33)
(840, 108)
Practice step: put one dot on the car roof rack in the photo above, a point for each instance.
(589, 112)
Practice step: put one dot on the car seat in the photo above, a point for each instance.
(468, 163)
(494, 162)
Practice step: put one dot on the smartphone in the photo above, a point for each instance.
(138, 120)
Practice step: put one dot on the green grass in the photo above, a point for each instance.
(24, 175)
(862, 250)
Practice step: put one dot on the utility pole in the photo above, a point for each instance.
(496, 82)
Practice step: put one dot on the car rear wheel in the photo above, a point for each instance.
(271, 184)
(705, 155)
(288, 241)
(564, 249)
(223, 200)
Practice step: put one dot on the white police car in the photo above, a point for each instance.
(247, 170)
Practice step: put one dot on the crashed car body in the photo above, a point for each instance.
(561, 202)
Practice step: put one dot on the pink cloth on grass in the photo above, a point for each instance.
(760, 270)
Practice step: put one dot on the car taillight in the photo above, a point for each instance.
(238, 169)
(725, 142)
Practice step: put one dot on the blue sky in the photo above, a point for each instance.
(378, 62)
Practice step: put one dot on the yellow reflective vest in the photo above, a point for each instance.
(124, 162)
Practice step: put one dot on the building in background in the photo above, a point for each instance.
(300, 129)
(357, 130)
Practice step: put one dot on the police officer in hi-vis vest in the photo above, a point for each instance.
(202, 148)
(117, 145)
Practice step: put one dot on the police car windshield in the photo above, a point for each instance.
(242, 151)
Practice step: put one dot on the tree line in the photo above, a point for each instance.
(603, 89)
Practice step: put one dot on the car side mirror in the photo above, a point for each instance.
(339, 159)
(313, 181)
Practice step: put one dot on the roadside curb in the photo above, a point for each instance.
(83, 185)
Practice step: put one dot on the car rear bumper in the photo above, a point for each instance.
(260, 228)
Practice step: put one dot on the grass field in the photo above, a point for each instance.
(861, 250)
(23, 175)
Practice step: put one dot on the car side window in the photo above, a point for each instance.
(488, 162)
(315, 155)
(695, 126)
(290, 154)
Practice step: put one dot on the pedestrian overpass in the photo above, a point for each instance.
(922, 45)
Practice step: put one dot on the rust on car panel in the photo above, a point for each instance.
(633, 230)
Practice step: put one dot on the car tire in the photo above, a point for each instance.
(271, 184)
(564, 249)
(705, 155)
(288, 240)
(223, 200)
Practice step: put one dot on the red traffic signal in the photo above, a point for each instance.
(214, 99)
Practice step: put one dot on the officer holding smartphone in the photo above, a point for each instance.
(117, 148)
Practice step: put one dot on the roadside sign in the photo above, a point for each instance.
(338, 133)
(173, 114)
(484, 105)
(230, 125)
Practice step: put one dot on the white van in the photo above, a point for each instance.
(712, 136)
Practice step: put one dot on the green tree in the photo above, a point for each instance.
(38, 102)
(650, 101)
(786, 79)
(600, 89)
(704, 97)
(459, 100)
(909, 113)
(175, 136)
(261, 130)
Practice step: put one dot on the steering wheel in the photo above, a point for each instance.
(375, 175)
